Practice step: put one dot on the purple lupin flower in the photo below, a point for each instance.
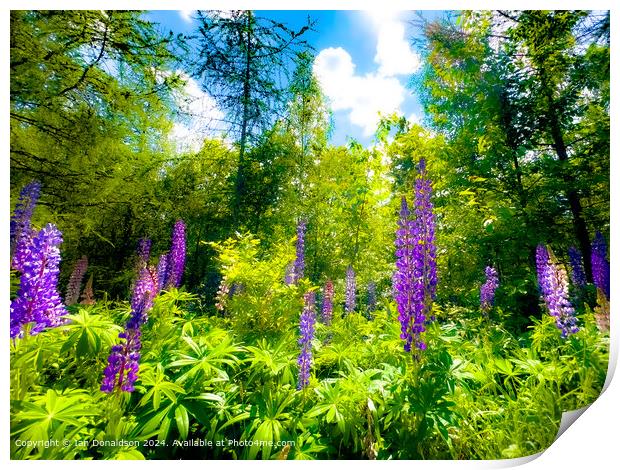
(542, 263)
(162, 272)
(144, 292)
(415, 280)
(123, 361)
(349, 291)
(328, 302)
(424, 229)
(176, 257)
(487, 290)
(21, 231)
(74, 286)
(295, 270)
(222, 295)
(37, 298)
(578, 275)
(553, 282)
(144, 252)
(236, 288)
(600, 265)
(404, 277)
(306, 334)
(300, 262)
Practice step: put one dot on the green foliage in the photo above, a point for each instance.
(477, 391)
(263, 303)
(89, 335)
(516, 167)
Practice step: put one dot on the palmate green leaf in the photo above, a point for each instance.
(222, 407)
(332, 406)
(174, 414)
(41, 416)
(318, 410)
(240, 417)
(89, 334)
(157, 384)
(31, 352)
(335, 416)
(206, 360)
(263, 433)
(503, 365)
(272, 361)
(63, 452)
(307, 447)
(462, 369)
(208, 397)
(154, 423)
(271, 416)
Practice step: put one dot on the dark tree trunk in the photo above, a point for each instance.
(581, 230)
(240, 179)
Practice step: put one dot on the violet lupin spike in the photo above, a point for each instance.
(403, 277)
(306, 334)
(415, 280)
(600, 265)
(123, 362)
(38, 300)
(578, 274)
(143, 252)
(300, 262)
(21, 231)
(328, 302)
(176, 257)
(162, 272)
(75, 281)
(487, 290)
(553, 282)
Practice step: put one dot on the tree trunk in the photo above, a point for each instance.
(240, 179)
(581, 230)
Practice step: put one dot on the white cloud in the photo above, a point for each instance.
(394, 54)
(200, 118)
(186, 15)
(364, 96)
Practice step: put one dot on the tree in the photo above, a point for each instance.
(243, 62)
(307, 116)
(90, 113)
(549, 38)
(484, 91)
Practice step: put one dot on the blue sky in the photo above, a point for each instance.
(364, 62)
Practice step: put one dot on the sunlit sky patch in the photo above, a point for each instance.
(364, 61)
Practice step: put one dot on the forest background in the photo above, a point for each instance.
(512, 165)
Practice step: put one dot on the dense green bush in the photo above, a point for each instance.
(478, 391)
